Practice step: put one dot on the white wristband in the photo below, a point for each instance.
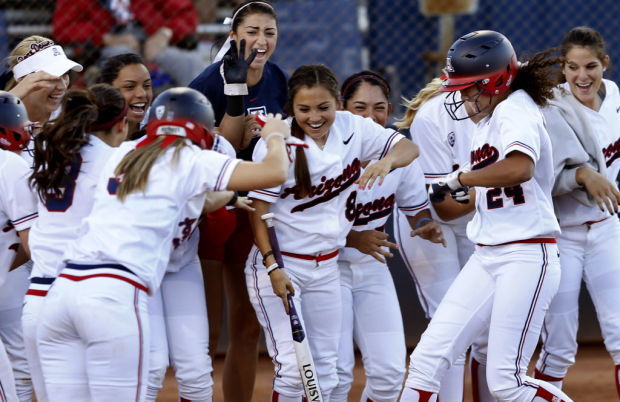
(272, 268)
(235, 89)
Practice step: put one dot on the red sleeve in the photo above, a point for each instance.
(178, 15)
(80, 21)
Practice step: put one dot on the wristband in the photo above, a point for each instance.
(235, 89)
(267, 254)
(234, 106)
(272, 268)
(421, 221)
(233, 200)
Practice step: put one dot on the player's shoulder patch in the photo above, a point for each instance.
(451, 138)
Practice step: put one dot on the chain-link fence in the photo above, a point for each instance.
(391, 36)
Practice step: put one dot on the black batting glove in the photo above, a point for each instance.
(234, 69)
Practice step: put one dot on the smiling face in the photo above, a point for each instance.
(315, 111)
(42, 102)
(583, 71)
(261, 33)
(369, 101)
(134, 82)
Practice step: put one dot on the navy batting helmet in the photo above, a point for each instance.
(485, 58)
(14, 132)
(182, 112)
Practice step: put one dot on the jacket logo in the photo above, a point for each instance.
(345, 142)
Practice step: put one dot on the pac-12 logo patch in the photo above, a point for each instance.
(159, 111)
(451, 138)
(449, 67)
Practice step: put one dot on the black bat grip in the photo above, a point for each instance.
(273, 239)
(296, 328)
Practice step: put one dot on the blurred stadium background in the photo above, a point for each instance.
(406, 40)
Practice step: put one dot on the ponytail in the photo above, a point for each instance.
(431, 89)
(60, 142)
(134, 169)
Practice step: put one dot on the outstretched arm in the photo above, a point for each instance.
(402, 154)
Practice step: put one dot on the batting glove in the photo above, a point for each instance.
(450, 184)
(461, 195)
(234, 69)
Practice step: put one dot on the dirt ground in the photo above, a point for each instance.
(590, 380)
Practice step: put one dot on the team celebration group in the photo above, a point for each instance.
(504, 199)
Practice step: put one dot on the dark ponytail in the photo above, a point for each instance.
(536, 76)
(60, 142)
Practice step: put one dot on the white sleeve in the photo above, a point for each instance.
(436, 159)
(212, 171)
(520, 128)
(376, 140)
(411, 195)
(18, 199)
(223, 146)
(267, 194)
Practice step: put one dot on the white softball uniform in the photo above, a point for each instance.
(17, 213)
(370, 310)
(94, 334)
(590, 251)
(310, 231)
(58, 224)
(445, 146)
(508, 283)
(179, 324)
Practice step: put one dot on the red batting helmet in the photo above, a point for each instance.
(14, 132)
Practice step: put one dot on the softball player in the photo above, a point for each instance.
(40, 70)
(444, 145)
(138, 218)
(17, 209)
(129, 73)
(226, 234)
(83, 137)
(311, 223)
(509, 281)
(178, 319)
(584, 127)
(370, 310)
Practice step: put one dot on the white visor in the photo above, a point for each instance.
(52, 60)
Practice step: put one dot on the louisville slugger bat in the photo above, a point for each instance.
(305, 363)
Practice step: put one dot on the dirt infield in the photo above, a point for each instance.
(590, 380)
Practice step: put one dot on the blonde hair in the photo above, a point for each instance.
(431, 89)
(20, 50)
(135, 167)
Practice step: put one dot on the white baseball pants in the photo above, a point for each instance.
(180, 335)
(93, 340)
(318, 302)
(590, 253)
(509, 287)
(371, 316)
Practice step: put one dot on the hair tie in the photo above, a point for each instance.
(109, 124)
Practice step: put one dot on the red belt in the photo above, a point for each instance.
(590, 223)
(535, 240)
(308, 257)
